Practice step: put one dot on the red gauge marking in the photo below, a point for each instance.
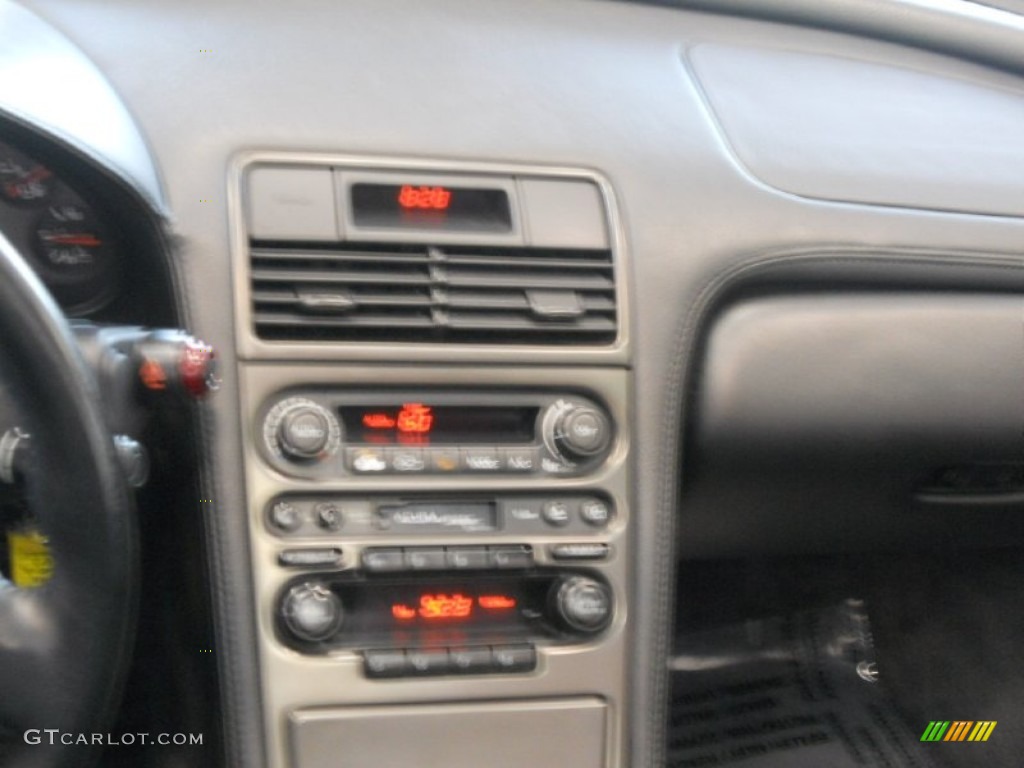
(415, 418)
(424, 198)
(75, 239)
(496, 602)
(39, 173)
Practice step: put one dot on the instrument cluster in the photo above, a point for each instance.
(70, 244)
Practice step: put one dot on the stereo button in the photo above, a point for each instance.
(328, 515)
(425, 559)
(595, 512)
(467, 558)
(285, 516)
(309, 557)
(382, 560)
(556, 513)
(579, 551)
(511, 557)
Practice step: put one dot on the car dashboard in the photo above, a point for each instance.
(519, 307)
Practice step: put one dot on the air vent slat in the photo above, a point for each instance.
(339, 277)
(331, 257)
(419, 320)
(554, 263)
(374, 293)
(504, 279)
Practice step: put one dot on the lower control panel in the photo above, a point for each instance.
(432, 614)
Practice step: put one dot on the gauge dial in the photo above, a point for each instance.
(23, 181)
(74, 257)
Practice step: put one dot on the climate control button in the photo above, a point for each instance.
(582, 603)
(312, 612)
(301, 430)
(576, 431)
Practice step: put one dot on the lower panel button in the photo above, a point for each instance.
(385, 664)
(381, 559)
(469, 661)
(433, 661)
(513, 658)
(466, 558)
(581, 551)
(310, 557)
(511, 557)
(425, 558)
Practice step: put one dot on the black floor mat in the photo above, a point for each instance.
(799, 690)
(947, 628)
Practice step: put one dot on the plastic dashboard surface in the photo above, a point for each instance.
(590, 85)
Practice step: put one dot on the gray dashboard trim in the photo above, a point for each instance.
(833, 127)
(986, 35)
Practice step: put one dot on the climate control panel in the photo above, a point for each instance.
(321, 613)
(331, 433)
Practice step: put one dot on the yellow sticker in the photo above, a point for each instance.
(31, 561)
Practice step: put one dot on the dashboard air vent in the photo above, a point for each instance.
(408, 293)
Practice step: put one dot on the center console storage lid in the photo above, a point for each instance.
(550, 733)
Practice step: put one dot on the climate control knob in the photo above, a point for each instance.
(312, 612)
(301, 430)
(582, 604)
(577, 431)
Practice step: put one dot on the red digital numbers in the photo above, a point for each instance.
(441, 606)
(415, 419)
(424, 198)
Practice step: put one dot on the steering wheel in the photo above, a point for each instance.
(64, 645)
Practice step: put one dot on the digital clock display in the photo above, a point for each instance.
(435, 607)
(426, 424)
(430, 206)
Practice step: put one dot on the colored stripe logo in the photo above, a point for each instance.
(958, 730)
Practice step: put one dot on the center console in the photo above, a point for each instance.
(435, 393)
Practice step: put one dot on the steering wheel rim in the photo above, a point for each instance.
(65, 645)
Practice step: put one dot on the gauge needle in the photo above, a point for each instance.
(38, 173)
(73, 239)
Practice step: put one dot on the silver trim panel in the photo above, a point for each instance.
(250, 347)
